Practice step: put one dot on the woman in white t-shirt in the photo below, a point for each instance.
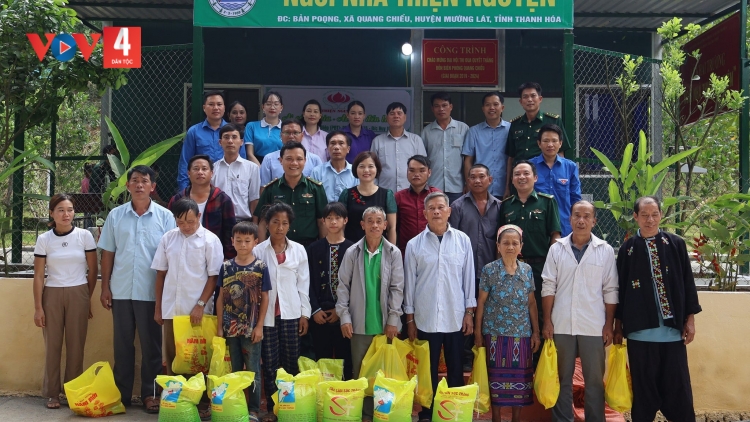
(63, 302)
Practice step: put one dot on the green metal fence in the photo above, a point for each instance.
(606, 122)
(151, 107)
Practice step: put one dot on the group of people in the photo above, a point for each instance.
(460, 237)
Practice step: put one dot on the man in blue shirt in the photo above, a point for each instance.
(128, 241)
(485, 144)
(558, 176)
(203, 138)
(336, 175)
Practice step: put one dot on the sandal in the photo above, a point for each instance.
(151, 404)
(53, 403)
(270, 417)
(253, 417)
(204, 411)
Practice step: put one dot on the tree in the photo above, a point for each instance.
(31, 91)
(675, 96)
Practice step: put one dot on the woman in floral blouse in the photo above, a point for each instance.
(507, 315)
(367, 194)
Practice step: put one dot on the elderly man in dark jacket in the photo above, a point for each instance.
(658, 302)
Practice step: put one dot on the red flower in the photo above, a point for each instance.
(357, 197)
(716, 265)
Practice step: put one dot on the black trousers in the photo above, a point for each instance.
(129, 316)
(328, 343)
(661, 381)
(454, 351)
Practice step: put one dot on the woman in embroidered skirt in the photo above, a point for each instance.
(507, 315)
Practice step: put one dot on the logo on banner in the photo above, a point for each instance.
(122, 46)
(231, 8)
(337, 98)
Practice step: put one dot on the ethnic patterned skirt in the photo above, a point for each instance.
(510, 370)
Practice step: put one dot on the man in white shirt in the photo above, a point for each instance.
(394, 149)
(444, 140)
(439, 298)
(237, 177)
(579, 299)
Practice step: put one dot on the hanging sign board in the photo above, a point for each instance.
(459, 62)
(407, 14)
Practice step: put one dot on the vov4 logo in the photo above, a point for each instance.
(122, 46)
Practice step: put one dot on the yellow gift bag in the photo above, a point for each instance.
(402, 347)
(479, 375)
(296, 395)
(227, 396)
(306, 364)
(94, 392)
(341, 400)
(418, 363)
(546, 380)
(221, 362)
(180, 397)
(377, 341)
(393, 400)
(387, 359)
(330, 369)
(618, 387)
(192, 344)
(454, 403)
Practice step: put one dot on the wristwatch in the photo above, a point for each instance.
(471, 313)
(201, 303)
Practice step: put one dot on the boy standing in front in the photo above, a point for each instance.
(187, 263)
(324, 257)
(241, 307)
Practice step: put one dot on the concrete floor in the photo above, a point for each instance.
(22, 409)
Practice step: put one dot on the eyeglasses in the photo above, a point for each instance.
(287, 133)
(276, 104)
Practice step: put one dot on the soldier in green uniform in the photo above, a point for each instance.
(537, 215)
(524, 129)
(306, 196)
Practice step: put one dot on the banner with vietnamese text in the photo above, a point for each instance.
(407, 14)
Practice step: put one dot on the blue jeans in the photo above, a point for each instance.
(245, 353)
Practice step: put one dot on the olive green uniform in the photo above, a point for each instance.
(539, 218)
(307, 199)
(524, 134)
